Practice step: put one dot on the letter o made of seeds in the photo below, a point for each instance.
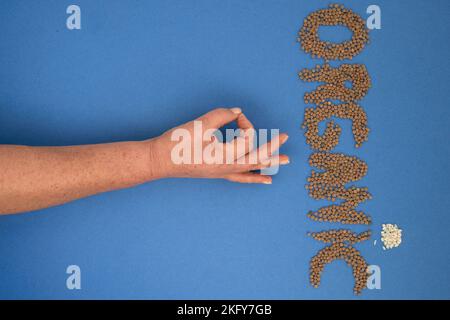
(333, 16)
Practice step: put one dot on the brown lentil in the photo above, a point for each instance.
(336, 169)
(330, 139)
(330, 185)
(340, 250)
(342, 235)
(344, 213)
(333, 16)
(335, 79)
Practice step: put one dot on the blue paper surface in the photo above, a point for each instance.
(138, 68)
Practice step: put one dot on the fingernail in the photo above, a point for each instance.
(268, 182)
(285, 161)
(284, 138)
(236, 110)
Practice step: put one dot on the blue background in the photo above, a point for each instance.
(138, 68)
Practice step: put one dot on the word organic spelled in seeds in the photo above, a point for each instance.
(336, 170)
(391, 236)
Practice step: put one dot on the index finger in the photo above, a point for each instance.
(219, 117)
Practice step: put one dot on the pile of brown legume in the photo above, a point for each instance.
(333, 16)
(330, 185)
(330, 139)
(340, 248)
(336, 79)
(336, 169)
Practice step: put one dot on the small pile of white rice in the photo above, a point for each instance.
(391, 236)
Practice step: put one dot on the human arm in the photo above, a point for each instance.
(32, 178)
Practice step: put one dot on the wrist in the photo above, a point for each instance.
(157, 164)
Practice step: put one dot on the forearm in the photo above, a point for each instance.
(38, 177)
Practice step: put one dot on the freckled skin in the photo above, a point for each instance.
(33, 178)
(38, 177)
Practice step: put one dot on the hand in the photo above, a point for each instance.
(234, 161)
